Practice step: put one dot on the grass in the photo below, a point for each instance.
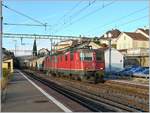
(141, 80)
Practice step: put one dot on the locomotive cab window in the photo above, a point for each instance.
(88, 56)
(99, 56)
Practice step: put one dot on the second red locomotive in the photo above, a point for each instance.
(81, 63)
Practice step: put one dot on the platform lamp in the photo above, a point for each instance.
(109, 36)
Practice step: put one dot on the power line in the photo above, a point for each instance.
(88, 14)
(118, 19)
(60, 19)
(22, 14)
(134, 20)
(80, 11)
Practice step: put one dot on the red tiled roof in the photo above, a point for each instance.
(136, 36)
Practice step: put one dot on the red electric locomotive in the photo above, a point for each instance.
(81, 63)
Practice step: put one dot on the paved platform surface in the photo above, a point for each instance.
(22, 96)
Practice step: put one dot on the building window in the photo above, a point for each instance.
(124, 38)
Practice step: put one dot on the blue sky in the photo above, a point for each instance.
(51, 12)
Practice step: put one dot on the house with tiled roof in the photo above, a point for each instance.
(63, 45)
(143, 31)
(128, 40)
(115, 33)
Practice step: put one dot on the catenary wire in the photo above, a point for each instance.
(118, 19)
(79, 11)
(88, 14)
(22, 14)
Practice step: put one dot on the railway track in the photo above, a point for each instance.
(91, 102)
(132, 97)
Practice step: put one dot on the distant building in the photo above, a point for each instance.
(8, 64)
(117, 60)
(43, 52)
(88, 44)
(115, 33)
(137, 56)
(65, 44)
(128, 40)
(7, 60)
(24, 60)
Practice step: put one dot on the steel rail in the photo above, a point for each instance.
(85, 100)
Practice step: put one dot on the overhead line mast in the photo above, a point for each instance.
(1, 31)
(38, 36)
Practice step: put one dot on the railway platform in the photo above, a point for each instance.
(23, 96)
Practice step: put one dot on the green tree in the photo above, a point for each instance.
(96, 40)
(34, 51)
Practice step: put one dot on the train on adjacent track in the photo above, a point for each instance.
(84, 64)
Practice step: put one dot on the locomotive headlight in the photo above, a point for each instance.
(101, 68)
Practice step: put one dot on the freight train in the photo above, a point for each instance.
(83, 64)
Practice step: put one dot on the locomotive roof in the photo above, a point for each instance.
(71, 50)
(78, 47)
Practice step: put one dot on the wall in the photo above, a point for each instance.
(104, 41)
(124, 42)
(116, 60)
(4, 65)
(137, 60)
(140, 44)
(94, 45)
(8, 63)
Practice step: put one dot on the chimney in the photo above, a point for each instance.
(145, 27)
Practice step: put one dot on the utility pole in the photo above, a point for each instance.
(109, 36)
(1, 32)
(51, 47)
(110, 54)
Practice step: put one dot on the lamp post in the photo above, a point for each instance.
(109, 36)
